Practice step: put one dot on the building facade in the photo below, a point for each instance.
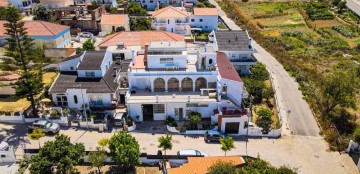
(114, 23)
(44, 33)
(51, 4)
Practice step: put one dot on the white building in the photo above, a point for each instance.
(151, 5)
(206, 19)
(178, 20)
(90, 78)
(237, 45)
(169, 79)
(354, 5)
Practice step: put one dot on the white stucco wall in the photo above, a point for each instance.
(240, 120)
(208, 23)
(179, 61)
(66, 66)
(81, 73)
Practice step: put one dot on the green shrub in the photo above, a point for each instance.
(318, 11)
(170, 121)
(344, 31)
(195, 117)
(356, 135)
(129, 121)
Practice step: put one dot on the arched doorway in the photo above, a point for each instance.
(159, 85)
(173, 85)
(187, 84)
(200, 83)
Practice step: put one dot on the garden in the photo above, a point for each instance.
(316, 48)
(195, 123)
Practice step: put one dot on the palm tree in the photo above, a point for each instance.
(165, 143)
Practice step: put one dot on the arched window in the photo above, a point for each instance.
(210, 61)
(187, 84)
(159, 85)
(75, 99)
(200, 83)
(173, 85)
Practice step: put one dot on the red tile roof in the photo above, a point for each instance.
(38, 28)
(170, 11)
(201, 165)
(4, 3)
(139, 38)
(118, 19)
(226, 68)
(205, 12)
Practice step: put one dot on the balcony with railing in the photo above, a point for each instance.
(244, 59)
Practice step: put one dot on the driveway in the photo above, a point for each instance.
(300, 119)
(308, 154)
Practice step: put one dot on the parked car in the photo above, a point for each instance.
(46, 126)
(191, 152)
(119, 120)
(212, 135)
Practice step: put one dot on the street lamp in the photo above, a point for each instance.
(338, 139)
(83, 104)
(248, 122)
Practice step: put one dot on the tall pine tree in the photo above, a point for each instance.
(20, 49)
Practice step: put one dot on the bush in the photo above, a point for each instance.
(54, 114)
(129, 121)
(170, 121)
(195, 117)
(264, 120)
(318, 11)
(356, 135)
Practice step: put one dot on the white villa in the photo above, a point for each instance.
(178, 20)
(170, 79)
(90, 79)
(153, 4)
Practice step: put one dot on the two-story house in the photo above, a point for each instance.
(169, 79)
(151, 5)
(237, 45)
(89, 78)
(178, 20)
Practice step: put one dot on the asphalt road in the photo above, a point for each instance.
(300, 119)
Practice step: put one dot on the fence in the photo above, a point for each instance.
(275, 99)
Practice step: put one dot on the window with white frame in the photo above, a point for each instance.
(89, 74)
(61, 100)
(159, 108)
(96, 100)
(166, 60)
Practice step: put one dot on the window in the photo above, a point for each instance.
(210, 61)
(201, 20)
(187, 84)
(233, 55)
(61, 100)
(159, 85)
(3, 156)
(96, 100)
(166, 60)
(246, 124)
(200, 83)
(173, 85)
(192, 20)
(206, 26)
(168, 21)
(190, 105)
(151, 1)
(75, 99)
(200, 26)
(71, 68)
(89, 74)
(159, 108)
(143, 1)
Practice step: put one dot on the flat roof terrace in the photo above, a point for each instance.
(144, 96)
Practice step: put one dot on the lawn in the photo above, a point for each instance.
(15, 104)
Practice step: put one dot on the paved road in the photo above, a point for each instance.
(308, 154)
(301, 120)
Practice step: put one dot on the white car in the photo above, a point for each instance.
(191, 152)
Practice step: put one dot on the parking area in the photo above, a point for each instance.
(308, 154)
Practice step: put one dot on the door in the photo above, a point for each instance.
(181, 113)
(148, 113)
(122, 99)
(113, 28)
(232, 128)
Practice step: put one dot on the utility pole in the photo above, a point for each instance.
(248, 122)
(83, 106)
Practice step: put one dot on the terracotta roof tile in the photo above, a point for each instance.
(38, 28)
(139, 38)
(200, 165)
(114, 19)
(4, 3)
(170, 11)
(205, 12)
(226, 68)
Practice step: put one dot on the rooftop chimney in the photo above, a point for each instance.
(133, 56)
(250, 43)
(169, 43)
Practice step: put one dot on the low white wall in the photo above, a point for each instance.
(132, 128)
(195, 132)
(256, 131)
(172, 129)
(11, 119)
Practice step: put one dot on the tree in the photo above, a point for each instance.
(227, 144)
(255, 88)
(41, 13)
(134, 8)
(124, 150)
(95, 4)
(60, 153)
(195, 117)
(21, 49)
(138, 24)
(36, 134)
(259, 72)
(114, 10)
(165, 142)
(88, 44)
(341, 86)
(97, 158)
(222, 167)
(3, 13)
(268, 93)
(264, 119)
(356, 135)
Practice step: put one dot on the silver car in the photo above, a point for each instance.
(46, 126)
